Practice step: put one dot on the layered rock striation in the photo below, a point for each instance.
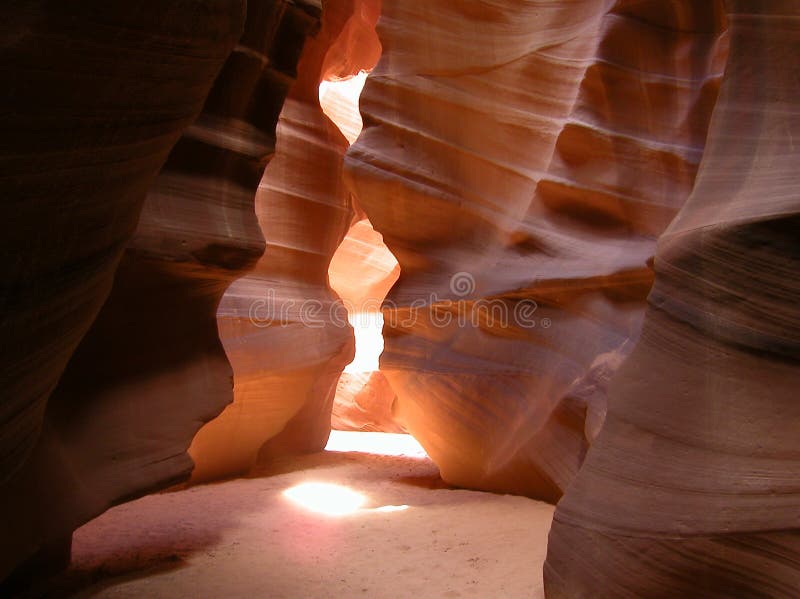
(95, 99)
(520, 161)
(283, 327)
(151, 369)
(691, 488)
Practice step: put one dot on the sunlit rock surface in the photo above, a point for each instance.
(528, 153)
(693, 486)
(94, 97)
(287, 338)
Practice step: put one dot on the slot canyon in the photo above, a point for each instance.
(400, 298)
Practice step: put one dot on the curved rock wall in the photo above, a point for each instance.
(197, 234)
(94, 99)
(691, 488)
(286, 340)
(520, 160)
(152, 368)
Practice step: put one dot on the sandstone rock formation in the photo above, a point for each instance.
(363, 269)
(538, 168)
(693, 486)
(521, 159)
(96, 101)
(94, 98)
(364, 402)
(287, 338)
(152, 369)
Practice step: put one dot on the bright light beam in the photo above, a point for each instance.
(392, 444)
(368, 330)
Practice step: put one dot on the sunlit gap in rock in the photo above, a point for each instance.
(368, 327)
(339, 101)
(361, 272)
(391, 444)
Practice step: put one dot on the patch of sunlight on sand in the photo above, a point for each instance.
(325, 498)
(331, 499)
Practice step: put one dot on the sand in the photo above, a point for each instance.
(393, 530)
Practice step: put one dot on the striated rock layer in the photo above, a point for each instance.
(152, 369)
(94, 98)
(287, 337)
(94, 101)
(520, 160)
(693, 486)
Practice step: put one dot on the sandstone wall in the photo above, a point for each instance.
(102, 93)
(286, 340)
(529, 154)
(692, 488)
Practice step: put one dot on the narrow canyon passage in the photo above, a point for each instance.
(341, 523)
(370, 516)
(400, 298)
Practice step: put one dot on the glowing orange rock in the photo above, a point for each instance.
(286, 339)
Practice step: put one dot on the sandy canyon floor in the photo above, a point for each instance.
(342, 523)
